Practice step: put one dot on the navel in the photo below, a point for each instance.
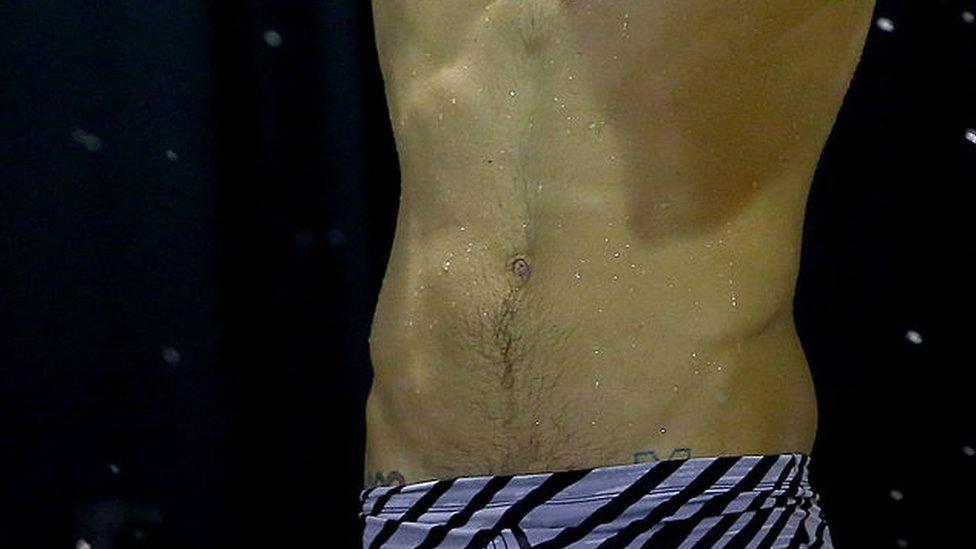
(520, 267)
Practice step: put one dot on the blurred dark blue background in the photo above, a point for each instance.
(198, 203)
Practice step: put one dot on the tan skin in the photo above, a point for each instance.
(599, 229)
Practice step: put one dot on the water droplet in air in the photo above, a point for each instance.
(914, 337)
(272, 38)
(968, 16)
(896, 495)
(171, 156)
(886, 24)
(969, 451)
(971, 135)
(171, 356)
(87, 140)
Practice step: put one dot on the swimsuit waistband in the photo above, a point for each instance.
(593, 484)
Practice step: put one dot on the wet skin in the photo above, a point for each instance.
(599, 229)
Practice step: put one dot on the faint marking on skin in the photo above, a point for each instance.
(650, 456)
(645, 457)
(392, 478)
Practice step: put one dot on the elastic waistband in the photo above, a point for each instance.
(592, 484)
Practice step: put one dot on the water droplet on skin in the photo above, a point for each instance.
(616, 254)
(512, 93)
(454, 100)
(447, 264)
(663, 430)
(596, 351)
(577, 276)
(593, 423)
(572, 76)
(599, 309)
(675, 388)
(596, 383)
(461, 227)
(615, 277)
(537, 422)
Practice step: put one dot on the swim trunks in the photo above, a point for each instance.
(696, 503)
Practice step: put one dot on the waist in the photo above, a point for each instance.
(442, 409)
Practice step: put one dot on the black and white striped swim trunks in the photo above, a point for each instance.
(729, 501)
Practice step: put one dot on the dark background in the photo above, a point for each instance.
(197, 206)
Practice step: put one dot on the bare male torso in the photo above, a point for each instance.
(599, 229)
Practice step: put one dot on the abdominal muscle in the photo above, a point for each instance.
(583, 274)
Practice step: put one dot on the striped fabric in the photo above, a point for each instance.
(729, 501)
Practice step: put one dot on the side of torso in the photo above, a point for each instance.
(599, 229)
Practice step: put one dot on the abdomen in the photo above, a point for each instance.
(650, 163)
